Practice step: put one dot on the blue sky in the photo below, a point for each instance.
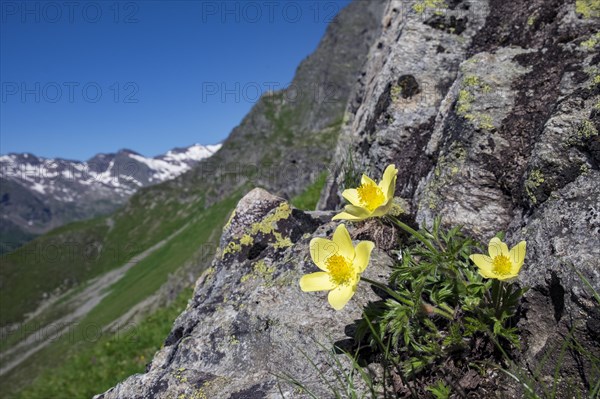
(83, 77)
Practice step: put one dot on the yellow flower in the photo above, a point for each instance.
(370, 199)
(502, 264)
(341, 264)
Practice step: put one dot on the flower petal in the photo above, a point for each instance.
(517, 256)
(383, 209)
(367, 180)
(484, 264)
(351, 195)
(506, 277)
(318, 281)
(388, 182)
(497, 247)
(320, 250)
(363, 255)
(352, 212)
(341, 238)
(339, 297)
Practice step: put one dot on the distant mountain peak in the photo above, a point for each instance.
(99, 185)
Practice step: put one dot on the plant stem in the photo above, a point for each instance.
(413, 232)
(388, 290)
(498, 298)
(443, 313)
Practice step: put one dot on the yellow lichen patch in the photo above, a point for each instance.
(260, 271)
(399, 206)
(586, 130)
(281, 241)
(269, 224)
(421, 6)
(471, 81)
(246, 239)
(588, 8)
(594, 75)
(472, 86)
(231, 248)
(464, 102)
(535, 179)
(485, 121)
(209, 389)
(178, 375)
(266, 226)
(591, 42)
(233, 340)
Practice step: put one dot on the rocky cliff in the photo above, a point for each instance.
(490, 110)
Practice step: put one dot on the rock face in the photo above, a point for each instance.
(248, 320)
(39, 194)
(490, 110)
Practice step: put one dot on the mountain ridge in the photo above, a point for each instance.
(39, 193)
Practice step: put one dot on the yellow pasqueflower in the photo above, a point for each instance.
(341, 264)
(370, 199)
(502, 264)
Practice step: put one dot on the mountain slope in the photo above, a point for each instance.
(39, 194)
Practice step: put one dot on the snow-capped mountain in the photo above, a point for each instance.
(38, 194)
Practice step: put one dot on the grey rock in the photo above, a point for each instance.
(248, 321)
(506, 140)
(563, 238)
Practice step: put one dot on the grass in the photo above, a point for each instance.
(57, 259)
(109, 360)
(307, 200)
(77, 252)
(193, 244)
(147, 276)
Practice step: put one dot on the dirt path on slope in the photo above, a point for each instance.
(81, 304)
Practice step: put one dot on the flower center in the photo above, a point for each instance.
(502, 265)
(340, 271)
(370, 195)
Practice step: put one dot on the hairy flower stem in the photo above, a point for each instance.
(388, 290)
(413, 233)
(498, 289)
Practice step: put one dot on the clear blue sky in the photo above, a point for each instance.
(78, 78)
